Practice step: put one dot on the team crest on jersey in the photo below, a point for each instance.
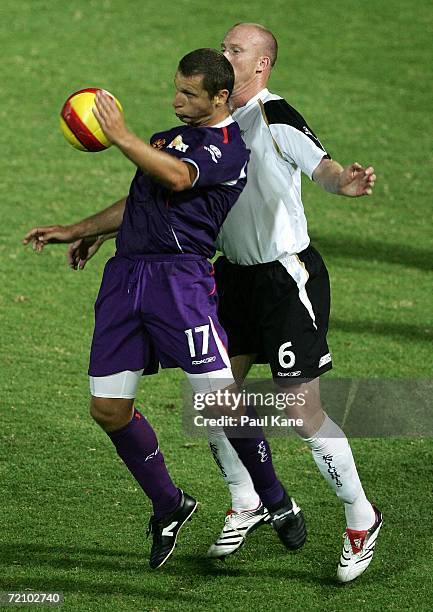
(214, 152)
(178, 144)
(159, 143)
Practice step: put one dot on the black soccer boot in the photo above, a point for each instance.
(288, 522)
(166, 529)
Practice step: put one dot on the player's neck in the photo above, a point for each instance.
(215, 118)
(245, 92)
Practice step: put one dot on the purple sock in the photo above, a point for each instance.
(255, 454)
(137, 446)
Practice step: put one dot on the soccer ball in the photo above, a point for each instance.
(78, 123)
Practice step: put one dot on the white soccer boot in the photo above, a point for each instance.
(358, 550)
(237, 526)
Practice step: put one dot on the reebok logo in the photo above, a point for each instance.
(297, 373)
(205, 360)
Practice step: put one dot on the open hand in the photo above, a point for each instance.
(356, 181)
(48, 234)
(110, 117)
(80, 251)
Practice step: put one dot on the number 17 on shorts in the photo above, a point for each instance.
(207, 347)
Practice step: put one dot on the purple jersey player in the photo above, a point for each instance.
(157, 302)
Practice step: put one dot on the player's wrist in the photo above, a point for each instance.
(73, 232)
(80, 231)
(337, 181)
(125, 140)
(339, 185)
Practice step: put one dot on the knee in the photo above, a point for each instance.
(215, 433)
(304, 406)
(224, 402)
(111, 413)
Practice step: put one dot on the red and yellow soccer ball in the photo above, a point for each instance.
(78, 123)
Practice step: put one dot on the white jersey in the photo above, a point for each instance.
(268, 222)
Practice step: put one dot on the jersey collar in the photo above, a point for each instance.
(262, 94)
(224, 123)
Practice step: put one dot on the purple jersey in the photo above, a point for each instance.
(157, 220)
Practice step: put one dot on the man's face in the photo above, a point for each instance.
(191, 103)
(242, 47)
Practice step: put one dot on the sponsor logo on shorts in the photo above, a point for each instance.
(206, 360)
(297, 373)
(325, 359)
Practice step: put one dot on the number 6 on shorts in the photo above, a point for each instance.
(284, 354)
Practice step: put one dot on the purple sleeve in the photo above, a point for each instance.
(217, 163)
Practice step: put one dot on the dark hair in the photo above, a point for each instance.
(216, 70)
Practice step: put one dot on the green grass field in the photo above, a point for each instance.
(72, 519)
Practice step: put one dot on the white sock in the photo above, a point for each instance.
(243, 494)
(333, 456)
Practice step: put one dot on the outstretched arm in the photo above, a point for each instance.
(104, 222)
(173, 173)
(352, 181)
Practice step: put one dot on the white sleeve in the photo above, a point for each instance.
(298, 147)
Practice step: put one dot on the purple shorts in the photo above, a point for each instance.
(157, 309)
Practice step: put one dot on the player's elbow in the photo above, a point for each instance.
(185, 177)
(180, 183)
(177, 186)
(180, 176)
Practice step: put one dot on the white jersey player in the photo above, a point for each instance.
(274, 290)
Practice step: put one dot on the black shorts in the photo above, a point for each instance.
(265, 312)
